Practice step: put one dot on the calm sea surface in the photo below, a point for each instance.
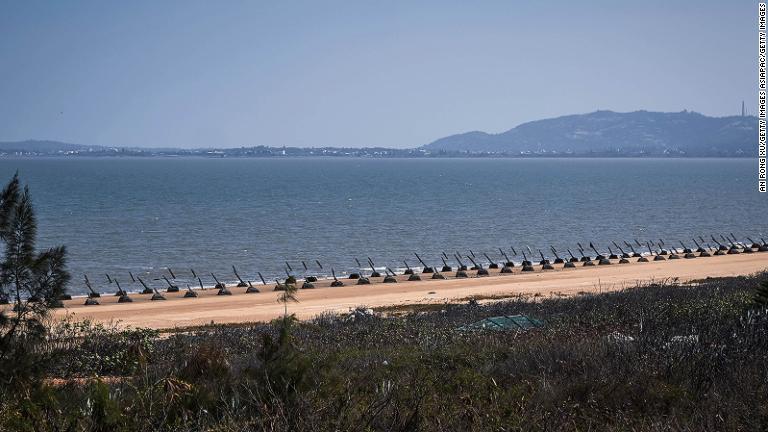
(144, 215)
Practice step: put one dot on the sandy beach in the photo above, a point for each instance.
(177, 311)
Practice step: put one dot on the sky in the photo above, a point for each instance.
(357, 73)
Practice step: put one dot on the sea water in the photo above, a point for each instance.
(144, 215)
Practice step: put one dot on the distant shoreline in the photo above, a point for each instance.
(321, 156)
(605, 134)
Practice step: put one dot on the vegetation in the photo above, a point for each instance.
(288, 292)
(32, 281)
(656, 357)
(761, 295)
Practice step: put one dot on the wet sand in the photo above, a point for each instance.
(177, 311)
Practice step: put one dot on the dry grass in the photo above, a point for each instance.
(663, 356)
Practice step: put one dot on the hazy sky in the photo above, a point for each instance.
(357, 73)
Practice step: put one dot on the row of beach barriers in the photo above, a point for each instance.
(656, 251)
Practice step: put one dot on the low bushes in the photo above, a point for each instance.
(657, 357)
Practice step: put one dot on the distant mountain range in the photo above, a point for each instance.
(601, 133)
(607, 132)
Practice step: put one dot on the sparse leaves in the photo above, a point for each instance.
(287, 295)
